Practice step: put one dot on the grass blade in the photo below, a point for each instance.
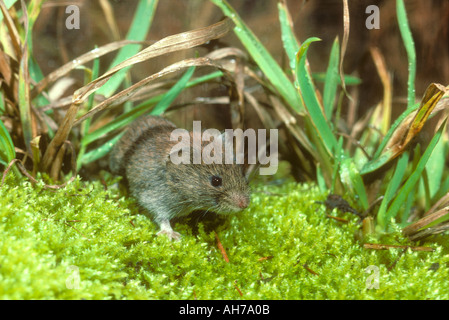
(7, 152)
(392, 188)
(139, 28)
(351, 177)
(168, 44)
(311, 102)
(348, 79)
(407, 37)
(101, 151)
(262, 57)
(332, 80)
(414, 177)
(289, 40)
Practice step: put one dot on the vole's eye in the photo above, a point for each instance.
(216, 181)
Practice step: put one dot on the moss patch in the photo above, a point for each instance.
(282, 247)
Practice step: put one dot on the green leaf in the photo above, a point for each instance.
(349, 80)
(86, 124)
(173, 93)
(289, 41)
(311, 102)
(101, 151)
(407, 37)
(351, 177)
(392, 188)
(332, 80)
(380, 158)
(7, 151)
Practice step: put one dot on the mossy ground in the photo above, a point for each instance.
(282, 247)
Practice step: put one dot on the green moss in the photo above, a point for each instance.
(46, 237)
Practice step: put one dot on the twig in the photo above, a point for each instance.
(265, 258)
(220, 247)
(237, 288)
(305, 266)
(76, 230)
(337, 219)
(390, 246)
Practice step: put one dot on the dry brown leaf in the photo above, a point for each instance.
(129, 92)
(415, 121)
(344, 44)
(169, 44)
(376, 246)
(385, 78)
(88, 56)
(13, 33)
(110, 20)
(423, 222)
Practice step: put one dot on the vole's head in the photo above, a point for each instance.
(221, 188)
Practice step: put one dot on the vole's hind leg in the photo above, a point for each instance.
(167, 230)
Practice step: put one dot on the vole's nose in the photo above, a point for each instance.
(243, 202)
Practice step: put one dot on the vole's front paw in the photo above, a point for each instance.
(170, 234)
(168, 231)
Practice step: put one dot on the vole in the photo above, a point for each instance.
(167, 190)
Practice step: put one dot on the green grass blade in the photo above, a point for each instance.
(2, 104)
(332, 79)
(311, 102)
(436, 166)
(140, 26)
(414, 177)
(349, 80)
(7, 151)
(407, 37)
(262, 57)
(337, 162)
(392, 188)
(86, 125)
(289, 41)
(173, 93)
(101, 151)
(351, 177)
